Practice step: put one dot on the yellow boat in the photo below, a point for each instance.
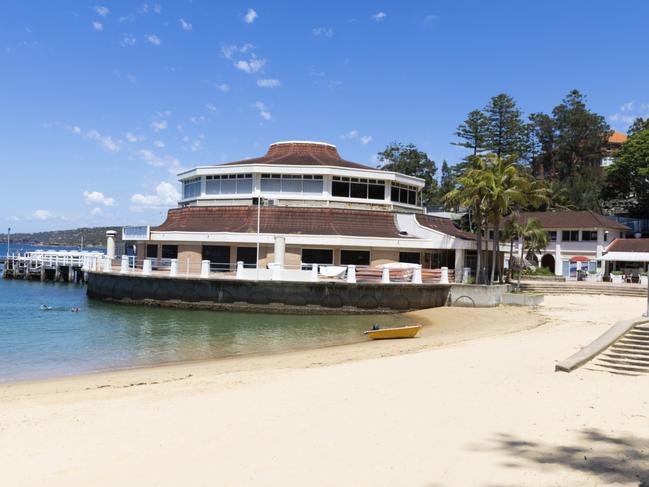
(408, 331)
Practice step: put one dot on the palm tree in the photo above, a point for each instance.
(470, 193)
(505, 188)
(532, 238)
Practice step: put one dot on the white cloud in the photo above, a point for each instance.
(107, 142)
(210, 107)
(133, 137)
(194, 145)
(366, 139)
(624, 119)
(159, 144)
(153, 39)
(253, 65)
(165, 195)
(96, 212)
(97, 198)
(268, 83)
(224, 87)
(196, 119)
(103, 11)
(42, 215)
(352, 134)
(250, 16)
(97, 26)
(150, 158)
(379, 16)
(429, 19)
(263, 110)
(127, 40)
(75, 129)
(322, 31)
(158, 125)
(157, 8)
(131, 78)
(627, 107)
(184, 25)
(228, 52)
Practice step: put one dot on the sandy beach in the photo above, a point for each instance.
(473, 401)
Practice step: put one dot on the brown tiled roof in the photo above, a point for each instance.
(444, 225)
(282, 220)
(629, 245)
(301, 154)
(571, 219)
(617, 138)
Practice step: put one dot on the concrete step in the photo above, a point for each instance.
(623, 368)
(596, 368)
(629, 349)
(625, 361)
(633, 341)
(624, 356)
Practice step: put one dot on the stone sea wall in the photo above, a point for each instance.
(271, 296)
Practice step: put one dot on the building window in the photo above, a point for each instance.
(170, 251)
(218, 255)
(606, 236)
(570, 235)
(410, 257)
(316, 256)
(588, 235)
(359, 188)
(552, 236)
(151, 251)
(228, 184)
(247, 255)
(355, 257)
(191, 188)
(291, 184)
(401, 193)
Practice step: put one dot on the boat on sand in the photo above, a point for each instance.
(407, 331)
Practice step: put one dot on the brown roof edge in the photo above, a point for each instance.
(443, 225)
(629, 245)
(571, 219)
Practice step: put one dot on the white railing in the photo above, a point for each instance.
(181, 268)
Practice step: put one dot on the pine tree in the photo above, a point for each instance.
(506, 131)
(473, 132)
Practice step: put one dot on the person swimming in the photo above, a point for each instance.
(45, 307)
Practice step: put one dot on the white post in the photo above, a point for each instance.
(275, 272)
(351, 274)
(416, 275)
(124, 265)
(173, 270)
(279, 250)
(108, 264)
(146, 267)
(444, 278)
(385, 277)
(459, 264)
(558, 265)
(314, 273)
(110, 243)
(205, 268)
(239, 270)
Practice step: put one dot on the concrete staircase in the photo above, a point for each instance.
(629, 355)
(576, 287)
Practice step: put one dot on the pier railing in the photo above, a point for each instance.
(185, 268)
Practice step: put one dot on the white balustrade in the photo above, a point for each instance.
(205, 268)
(416, 275)
(444, 278)
(314, 273)
(239, 274)
(124, 265)
(108, 264)
(173, 269)
(385, 276)
(146, 267)
(351, 274)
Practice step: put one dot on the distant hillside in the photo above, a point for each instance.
(92, 237)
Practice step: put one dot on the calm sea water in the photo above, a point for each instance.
(40, 344)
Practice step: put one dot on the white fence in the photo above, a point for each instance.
(179, 268)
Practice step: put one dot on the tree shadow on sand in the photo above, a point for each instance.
(622, 459)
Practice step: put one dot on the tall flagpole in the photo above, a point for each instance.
(258, 220)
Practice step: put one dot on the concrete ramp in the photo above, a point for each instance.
(628, 356)
(623, 349)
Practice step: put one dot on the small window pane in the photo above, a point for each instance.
(354, 257)
(339, 188)
(312, 187)
(228, 186)
(291, 185)
(244, 185)
(213, 186)
(271, 185)
(170, 251)
(376, 192)
(394, 194)
(358, 190)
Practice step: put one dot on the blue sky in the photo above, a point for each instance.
(102, 103)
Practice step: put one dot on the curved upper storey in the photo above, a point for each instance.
(300, 173)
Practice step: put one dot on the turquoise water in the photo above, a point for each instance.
(40, 344)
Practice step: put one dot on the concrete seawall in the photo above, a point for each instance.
(269, 296)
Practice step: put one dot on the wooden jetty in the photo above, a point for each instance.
(51, 265)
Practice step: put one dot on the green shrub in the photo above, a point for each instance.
(539, 271)
(617, 273)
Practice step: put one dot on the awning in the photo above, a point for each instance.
(626, 256)
(579, 258)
